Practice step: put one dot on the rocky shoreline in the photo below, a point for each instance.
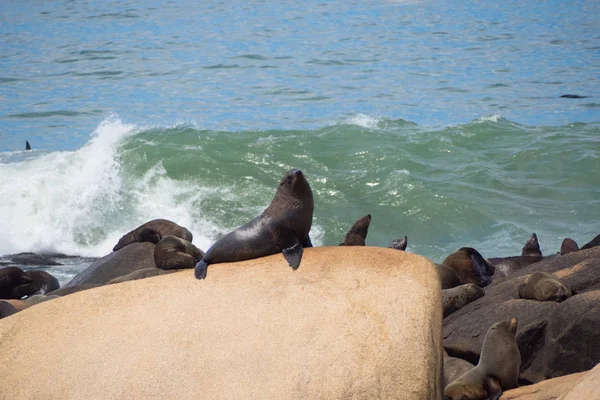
(558, 334)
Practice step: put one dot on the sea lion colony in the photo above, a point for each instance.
(160, 246)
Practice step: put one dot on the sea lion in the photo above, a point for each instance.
(358, 232)
(41, 283)
(456, 298)
(6, 309)
(448, 276)
(118, 263)
(13, 282)
(153, 231)
(470, 266)
(139, 274)
(498, 368)
(282, 227)
(532, 247)
(399, 244)
(568, 246)
(175, 253)
(27, 145)
(592, 243)
(542, 286)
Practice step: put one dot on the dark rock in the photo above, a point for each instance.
(122, 262)
(13, 282)
(583, 276)
(572, 338)
(31, 259)
(592, 243)
(6, 309)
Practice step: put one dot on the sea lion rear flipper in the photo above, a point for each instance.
(201, 269)
(493, 388)
(307, 243)
(293, 255)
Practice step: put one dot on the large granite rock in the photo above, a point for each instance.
(351, 322)
(550, 389)
(588, 387)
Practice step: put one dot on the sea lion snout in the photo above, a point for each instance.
(513, 325)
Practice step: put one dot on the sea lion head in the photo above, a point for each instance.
(294, 183)
(358, 232)
(399, 244)
(568, 246)
(532, 247)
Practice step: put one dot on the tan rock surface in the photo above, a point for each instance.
(588, 387)
(351, 322)
(549, 389)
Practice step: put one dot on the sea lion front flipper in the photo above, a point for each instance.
(480, 269)
(494, 390)
(307, 243)
(201, 269)
(293, 255)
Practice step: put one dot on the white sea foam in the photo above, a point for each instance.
(80, 202)
(489, 118)
(366, 121)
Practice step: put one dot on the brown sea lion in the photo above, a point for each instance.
(456, 298)
(592, 243)
(153, 231)
(6, 309)
(175, 253)
(568, 246)
(532, 247)
(542, 286)
(13, 282)
(118, 263)
(358, 232)
(139, 274)
(448, 276)
(498, 368)
(399, 244)
(470, 266)
(41, 283)
(530, 254)
(282, 227)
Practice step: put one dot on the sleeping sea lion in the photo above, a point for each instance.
(175, 253)
(456, 298)
(282, 227)
(542, 286)
(358, 232)
(153, 231)
(13, 282)
(41, 283)
(470, 266)
(498, 368)
(399, 244)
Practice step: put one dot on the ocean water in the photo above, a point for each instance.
(443, 120)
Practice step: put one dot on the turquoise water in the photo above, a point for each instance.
(442, 120)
